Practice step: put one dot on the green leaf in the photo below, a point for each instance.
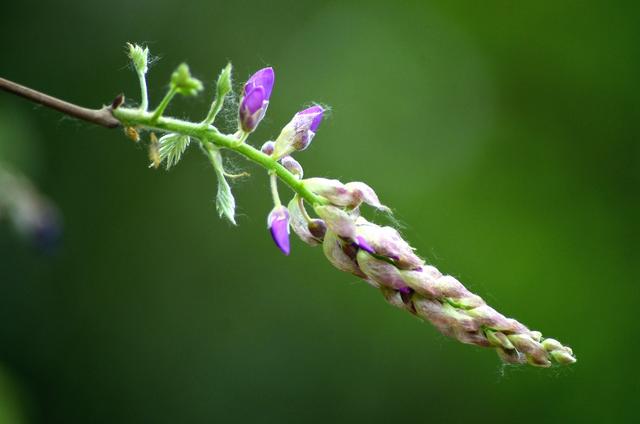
(225, 202)
(172, 146)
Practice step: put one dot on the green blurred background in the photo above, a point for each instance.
(504, 134)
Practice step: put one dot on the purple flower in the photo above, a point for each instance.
(306, 124)
(299, 132)
(278, 224)
(255, 99)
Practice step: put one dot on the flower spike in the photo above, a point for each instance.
(379, 255)
(255, 99)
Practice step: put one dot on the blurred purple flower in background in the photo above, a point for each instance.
(34, 216)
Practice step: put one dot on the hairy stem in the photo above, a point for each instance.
(102, 117)
(144, 105)
(210, 134)
(216, 106)
(164, 103)
(112, 118)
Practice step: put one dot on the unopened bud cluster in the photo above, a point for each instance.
(380, 256)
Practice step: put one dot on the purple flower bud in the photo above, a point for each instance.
(268, 147)
(255, 98)
(306, 124)
(278, 224)
(299, 132)
(292, 166)
(314, 113)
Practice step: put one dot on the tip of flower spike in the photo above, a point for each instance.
(278, 224)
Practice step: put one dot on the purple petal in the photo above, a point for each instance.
(252, 109)
(362, 244)
(264, 79)
(316, 112)
(405, 290)
(253, 100)
(278, 223)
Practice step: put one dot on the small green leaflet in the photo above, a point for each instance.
(172, 146)
(225, 203)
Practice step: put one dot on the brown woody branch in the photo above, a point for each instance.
(102, 117)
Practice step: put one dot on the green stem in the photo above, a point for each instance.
(144, 103)
(274, 189)
(209, 134)
(164, 103)
(300, 201)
